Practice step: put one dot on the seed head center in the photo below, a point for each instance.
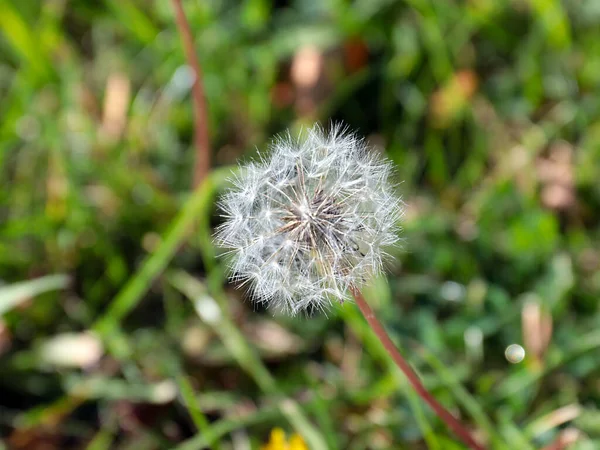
(311, 220)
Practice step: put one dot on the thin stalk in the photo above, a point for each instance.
(412, 377)
(201, 138)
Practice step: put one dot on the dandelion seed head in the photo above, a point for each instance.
(315, 218)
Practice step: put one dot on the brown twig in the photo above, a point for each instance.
(201, 138)
(413, 378)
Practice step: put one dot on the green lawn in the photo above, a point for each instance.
(118, 328)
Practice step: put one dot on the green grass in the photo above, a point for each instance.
(489, 110)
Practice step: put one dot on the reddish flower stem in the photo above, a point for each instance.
(201, 138)
(413, 378)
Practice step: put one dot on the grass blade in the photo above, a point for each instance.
(129, 297)
(463, 396)
(211, 312)
(15, 294)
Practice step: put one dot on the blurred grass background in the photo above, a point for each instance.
(117, 327)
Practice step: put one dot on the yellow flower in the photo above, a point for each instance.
(278, 441)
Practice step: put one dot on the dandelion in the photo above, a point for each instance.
(278, 441)
(312, 221)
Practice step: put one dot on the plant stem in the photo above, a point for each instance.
(413, 378)
(201, 138)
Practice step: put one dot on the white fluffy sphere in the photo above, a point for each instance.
(310, 221)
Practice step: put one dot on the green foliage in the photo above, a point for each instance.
(489, 110)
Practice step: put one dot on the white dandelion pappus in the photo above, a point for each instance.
(312, 220)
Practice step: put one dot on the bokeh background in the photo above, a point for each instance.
(118, 329)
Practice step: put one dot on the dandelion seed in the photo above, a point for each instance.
(314, 219)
